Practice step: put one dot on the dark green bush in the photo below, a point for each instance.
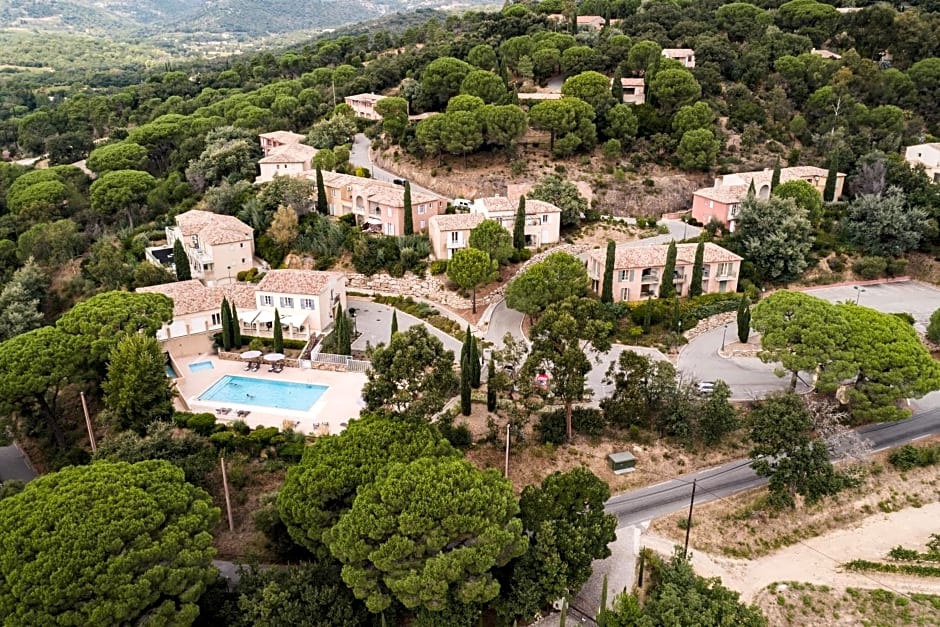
(869, 267)
(438, 267)
(909, 456)
(896, 267)
(584, 420)
(203, 424)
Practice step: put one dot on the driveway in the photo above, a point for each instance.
(504, 320)
(678, 230)
(374, 322)
(360, 157)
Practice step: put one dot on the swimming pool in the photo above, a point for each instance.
(264, 393)
(199, 366)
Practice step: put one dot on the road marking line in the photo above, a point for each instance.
(920, 437)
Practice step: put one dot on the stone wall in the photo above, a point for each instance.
(434, 288)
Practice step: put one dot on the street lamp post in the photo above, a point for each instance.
(858, 292)
(724, 335)
(229, 275)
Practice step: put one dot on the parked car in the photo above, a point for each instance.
(399, 182)
(462, 203)
(706, 387)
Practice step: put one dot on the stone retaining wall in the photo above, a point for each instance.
(434, 288)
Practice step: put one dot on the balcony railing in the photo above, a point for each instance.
(460, 243)
(649, 278)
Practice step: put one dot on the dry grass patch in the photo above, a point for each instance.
(744, 526)
(794, 603)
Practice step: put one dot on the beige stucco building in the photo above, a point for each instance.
(290, 160)
(304, 300)
(638, 270)
(277, 139)
(217, 246)
(450, 233)
(927, 155)
(685, 56)
(363, 105)
(634, 90)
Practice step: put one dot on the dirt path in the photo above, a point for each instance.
(818, 560)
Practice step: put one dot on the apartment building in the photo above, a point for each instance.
(217, 247)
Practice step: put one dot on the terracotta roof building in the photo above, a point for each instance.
(638, 270)
(217, 246)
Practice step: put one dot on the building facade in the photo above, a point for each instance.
(634, 90)
(722, 201)
(277, 139)
(305, 301)
(450, 233)
(927, 155)
(378, 204)
(542, 219)
(289, 160)
(685, 56)
(217, 246)
(638, 270)
(363, 105)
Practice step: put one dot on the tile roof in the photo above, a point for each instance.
(501, 204)
(284, 137)
(726, 194)
(296, 281)
(589, 19)
(369, 97)
(376, 191)
(290, 153)
(732, 188)
(678, 52)
(632, 82)
(192, 296)
(457, 221)
(213, 228)
(655, 256)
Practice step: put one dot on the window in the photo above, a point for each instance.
(335, 193)
(711, 204)
(216, 319)
(287, 302)
(544, 218)
(705, 270)
(307, 303)
(241, 245)
(206, 267)
(389, 227)
(422, 209)
(455, 237)
(423, 224)
(624, 293)
(195, 241)
(267, 300)
(623, 276)
(389, 211)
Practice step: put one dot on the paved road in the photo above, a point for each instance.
(359, 157)
(671, 496)
(678, 230)
(14, 465)
(748, 377)
(374, 322)
(504, 320)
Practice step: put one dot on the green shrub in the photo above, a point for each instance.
(870, 267)
(438, 267)
(933, 328)
(904, 569)
(203, 424)
(909, 456)
(896, 267)
(906, 317)
(836, 264)
(551, 426)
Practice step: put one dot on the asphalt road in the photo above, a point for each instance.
(14, 466)
(670, 496)
(359, 157)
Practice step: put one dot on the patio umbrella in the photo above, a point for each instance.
(274, 357)
(251, 355)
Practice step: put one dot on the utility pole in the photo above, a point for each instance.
(688, 522)
(228, 500)
(506, 474)
(91, 432)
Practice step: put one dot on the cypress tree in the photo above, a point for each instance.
(394, 321)
(607, 289)
(475, 363)
(518, 228)
(409, 218)
(667, 286)
(236, 328)
(775, 177)
(342, 332)
(744, 319)
(181, 261)
(278, 333)
(829, 192)
(616, 88)
(226, 315)
(648, 314)
(465, 388)
(322, 205)
(465, 349)
(490, 390)
(695, 287)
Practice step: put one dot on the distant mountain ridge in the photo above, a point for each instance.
(248, 17)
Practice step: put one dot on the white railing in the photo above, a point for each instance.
(352, 365)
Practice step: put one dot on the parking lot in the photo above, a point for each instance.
(918, 299)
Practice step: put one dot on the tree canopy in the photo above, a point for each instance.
(128, 544)
(428, 535)
(555, 278)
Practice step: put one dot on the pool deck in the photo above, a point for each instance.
(339, 404)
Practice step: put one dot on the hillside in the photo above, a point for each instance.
(244, 17)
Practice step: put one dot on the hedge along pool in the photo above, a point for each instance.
(264, 393)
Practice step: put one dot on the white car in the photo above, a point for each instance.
(706, 387)
(462, 203)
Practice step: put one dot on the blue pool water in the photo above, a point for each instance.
(199, 366)
(264, 393)
(170, 372)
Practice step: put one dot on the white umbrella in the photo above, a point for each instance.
(251, 355)
(274, 357)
